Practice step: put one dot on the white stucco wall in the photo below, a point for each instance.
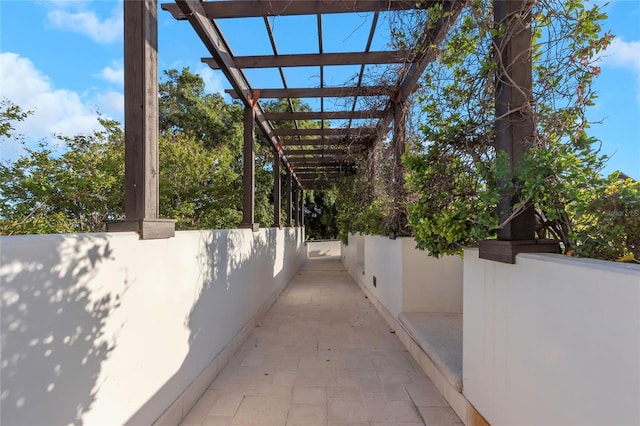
(407, 279)
(323, 248)
(108, 329)
(383, 260)
(430, 284)
(552, 340)
(348, 252)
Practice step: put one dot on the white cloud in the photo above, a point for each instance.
(625, 54)
(87, 22)
(113, 74)
(212, 81)
(111, 101)
(55, 111)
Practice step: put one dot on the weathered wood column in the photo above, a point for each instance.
(399, 195)
(514, 128)
(295, 205)
(141, 191)
(289, 197)
(301, 208)
(248, 171)
(277, 190)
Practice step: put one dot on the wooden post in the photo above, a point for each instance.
(514, 130)
(301, 209)
(289, 197)
(399, 198)
(295, 205)
(248, 172)
(277, 189)
(141, 191)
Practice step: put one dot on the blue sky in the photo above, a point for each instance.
(63, 60)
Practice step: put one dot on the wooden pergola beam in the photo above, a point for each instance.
(217, 45)
(298, 152)
(320, 92)
(327, 132)
(327, 115)
(302, 157)
(327, 141)
(246, 8)
(427, 52)
(326, 163)
(319, 170)
(317, 59)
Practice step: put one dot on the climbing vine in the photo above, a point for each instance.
(453, 169)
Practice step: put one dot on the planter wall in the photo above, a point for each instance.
(407, 279)
(108, 329)
(552, 340)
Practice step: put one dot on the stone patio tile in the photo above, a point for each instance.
(349, 423)
(262, 411)
(307, 415)
(389, 378)
(284, 378)
(344, 393)
(321, 355)
(315, 376)
(309, 395)
(347, 411)
(396, 392)
(426, 395)
(196, 415)
(226, 405)
(439, 416)
(252, 390)
(217, 421)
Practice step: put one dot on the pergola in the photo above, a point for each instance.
(312, 158)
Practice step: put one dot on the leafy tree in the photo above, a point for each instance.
(453, 177)
(321, 215)
(10, 113)
(186, 108)
(199, 186)
(43, 192)
(80, 185)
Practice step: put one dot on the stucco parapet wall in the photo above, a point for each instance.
(604, 265)
(110, 329)
(552, 340)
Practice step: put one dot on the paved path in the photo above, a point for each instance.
(322, 356)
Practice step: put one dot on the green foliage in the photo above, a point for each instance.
(80, 184)
(464, 203)
(42, 192)
(359, 210)
(10, 113)
(185, 108)
(322, 214)
(453, 178)
(607, 223)
(199, 186)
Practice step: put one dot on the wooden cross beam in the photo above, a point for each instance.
(246, 9)
(321, 92)
(327, 132)
(317, 59)
(327, 115)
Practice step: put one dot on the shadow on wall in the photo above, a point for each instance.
(231, 265)
(53, 340)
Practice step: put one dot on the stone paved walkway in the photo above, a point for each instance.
(322, 356)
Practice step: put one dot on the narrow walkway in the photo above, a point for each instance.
(322, 356)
